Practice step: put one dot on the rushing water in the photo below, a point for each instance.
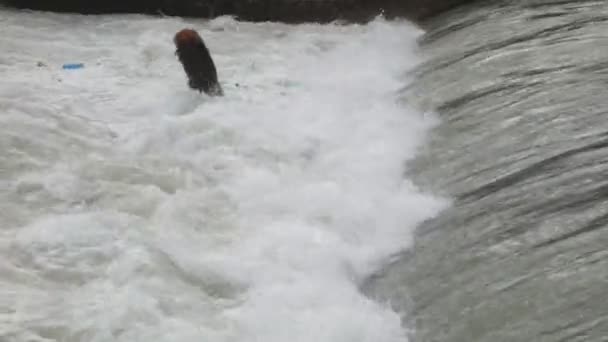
(522, 148)
(133, 209)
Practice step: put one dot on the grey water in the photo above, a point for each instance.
(522, 149)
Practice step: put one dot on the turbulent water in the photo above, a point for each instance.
(133, 209)
(522, 91)
(298, 206)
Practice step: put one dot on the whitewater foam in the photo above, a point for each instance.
(135, 209)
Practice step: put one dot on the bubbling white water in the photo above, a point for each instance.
(134, 209)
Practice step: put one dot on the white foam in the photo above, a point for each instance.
(138, 210)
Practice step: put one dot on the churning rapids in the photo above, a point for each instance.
(133, 209)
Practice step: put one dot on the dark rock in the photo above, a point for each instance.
(194, 8)
(291, 11)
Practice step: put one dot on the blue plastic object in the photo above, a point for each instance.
(73, 66)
